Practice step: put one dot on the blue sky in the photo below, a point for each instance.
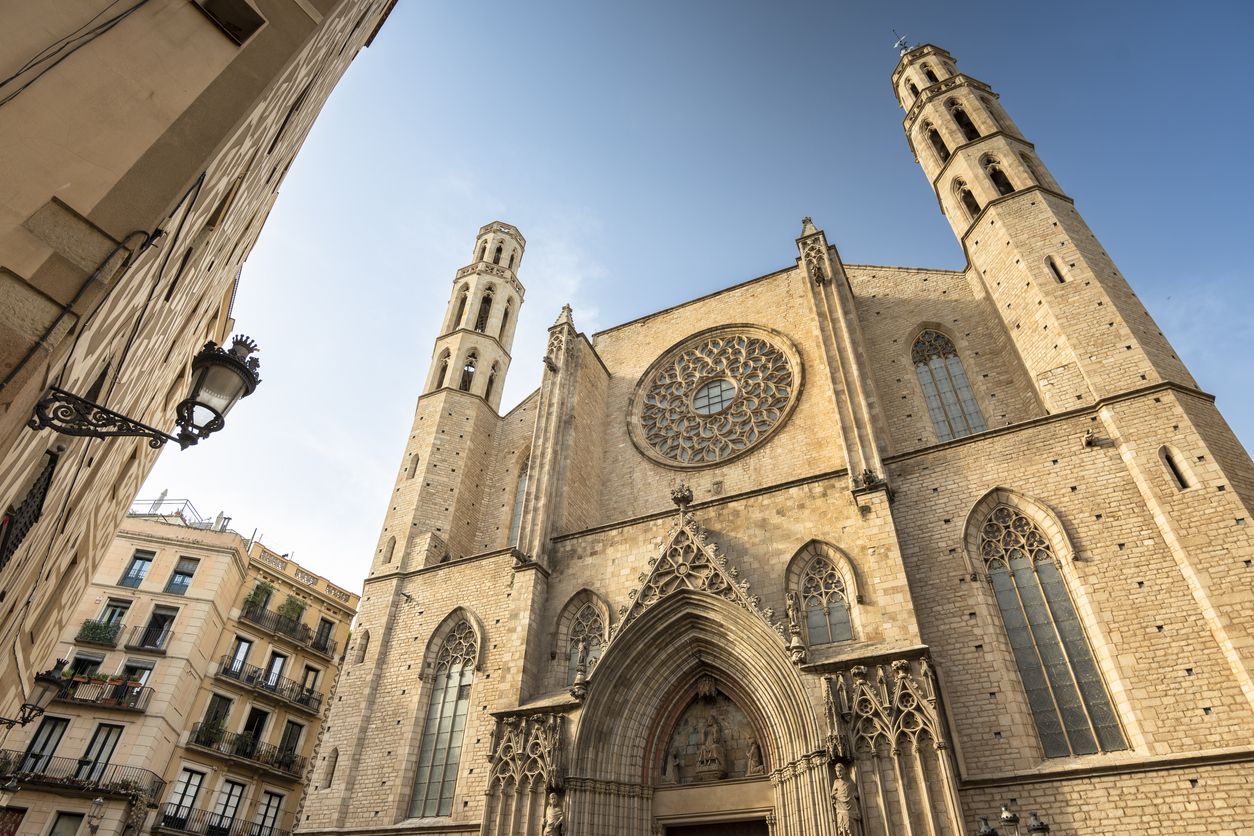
(653, 152)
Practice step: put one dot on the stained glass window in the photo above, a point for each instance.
(824, 599)
(445, 724)
(1064, 688)
(950, 401)
(714, 397)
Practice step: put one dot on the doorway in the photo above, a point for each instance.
(728, 828)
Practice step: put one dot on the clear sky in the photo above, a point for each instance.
(652, 152)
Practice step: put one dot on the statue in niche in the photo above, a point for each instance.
(554, 816)
(756, 766)
(710, 762)
(670, 766)
(845, 804)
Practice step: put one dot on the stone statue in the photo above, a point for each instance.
(794, 624)
(845, 804)
(670, 766)
(756, 766)
(554, 816)
(710, 763)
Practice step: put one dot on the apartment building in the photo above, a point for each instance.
(195, 671)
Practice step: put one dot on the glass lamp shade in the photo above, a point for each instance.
(219, 379)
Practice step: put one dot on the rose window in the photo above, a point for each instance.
(714, 396)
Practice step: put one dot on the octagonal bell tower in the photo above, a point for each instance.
(472, 352)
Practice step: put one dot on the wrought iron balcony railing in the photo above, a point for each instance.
(153, 639)
(106, 694)
(289, 627)
(245, 747)
(81, 774)
(103, 633)
(177, 818)
(263, 680)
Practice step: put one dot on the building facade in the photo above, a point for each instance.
(842, 550)
(197, 671)
(142, 148)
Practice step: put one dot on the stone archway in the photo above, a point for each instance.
(643, 683)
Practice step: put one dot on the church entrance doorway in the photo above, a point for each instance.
(727, 828)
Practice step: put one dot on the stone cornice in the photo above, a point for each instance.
(471, 332)
(940, 173)
(1112, 765)
(997, 201)
(496, 270)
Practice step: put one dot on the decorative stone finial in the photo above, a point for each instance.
(682, 496)
(566, 317)
(807, 227)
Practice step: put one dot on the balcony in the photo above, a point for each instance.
(111, 694)
(174, 818)
(270, 683)
(81, 775)
(242, 748)
(102, 633)
(152, 639)
(289, 628)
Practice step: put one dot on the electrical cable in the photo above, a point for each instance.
(59, 44)
(86, 38)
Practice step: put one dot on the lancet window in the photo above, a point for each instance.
(950, 401)
(468, 371)
(931, 76)
(487, 392)
(440, 751)
(485, 309)
(969, 131)
(443, 375)
(968, 199)
(1000, 181)
(520, 493)
(938, 142)
(505, 319)
(587, 628)
(1064, 688)
(461, 310)
(496, 256)
(824, 598)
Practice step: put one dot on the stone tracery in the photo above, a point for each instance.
(764, 374)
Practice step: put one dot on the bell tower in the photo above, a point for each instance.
(1081, 331)
(472, 351)
(435, 507)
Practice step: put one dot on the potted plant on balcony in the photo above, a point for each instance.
(245, 744)
(292, 608)
(259, 596)
(209, 734)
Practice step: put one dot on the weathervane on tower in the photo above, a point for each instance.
(901, 44)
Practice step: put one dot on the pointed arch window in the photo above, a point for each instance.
(440, 752)
(992, 166)
(511, 261)
(468, 371)
(950, 401)
(1064, 687)
(1032, 169)
(914, 90)
(329, 775)
(443, 375)
(485, 309)
(824, 598)
(938, 143)
(388, 549)
(461, 309)
(363, 644)
(967, 198)
(520, 493)
(931, 76)
(589, 629)
(487, 392)
(412, 470)
(969, 131)
(496, 256)
(505, 319)
(483, 251)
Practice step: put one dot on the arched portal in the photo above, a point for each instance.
(692, 647)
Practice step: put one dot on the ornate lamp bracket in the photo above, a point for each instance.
(69, 414)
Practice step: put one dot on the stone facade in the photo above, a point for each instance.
(152, 654)
(140, 160)
(843, 549)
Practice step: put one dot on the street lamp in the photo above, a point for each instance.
(1035, 825)
(220, 378)
(95, 815)
(47, 685)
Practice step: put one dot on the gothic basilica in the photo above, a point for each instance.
(840, 550)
